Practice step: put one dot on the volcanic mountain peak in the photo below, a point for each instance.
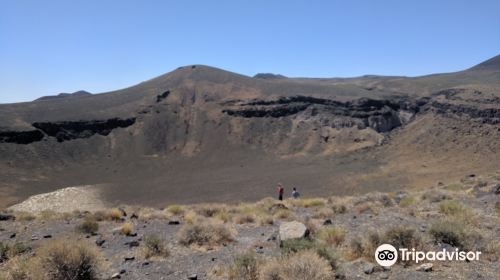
(64, 95)
(490, 64)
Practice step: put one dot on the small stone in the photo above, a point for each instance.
(123, 271)
(7, 217)
(145, 263)
(192, 277)
(134, 243)
(99, 242)
(327, 222)
(425, 267)
(12, 235)
(47, 236)
(129, 258)
(369, 268)
(116, 276)
(174, 222)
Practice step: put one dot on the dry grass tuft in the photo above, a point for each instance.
(114, 214)
(331, 235)
(88, 226)
(302, 265)
(208, 233)
(175, 209)
(127, 228)
(154, 246)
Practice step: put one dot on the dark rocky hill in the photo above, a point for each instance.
(204, 134)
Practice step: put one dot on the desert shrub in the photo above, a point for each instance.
(450, 207)
(308, 202)
(367, 207)
(114, 214)
(10, 251)
(451, 232)
(356, 248)
(302, 265)
(331, 235)
(407, 201)
(4, 251)
(223, 216)
(88, 226)
(328, 254)
(402, 237)
(282, 214)
(204, 233)
(295, 245)
(175, 209)
(271, 270)
(435, 196)
(265, 220)
(244, 267)
(386, 201)
(64, 259)
(454, 187)
(244, 218)
(190, 217)
(339, 208)
(154, 246)
(323, 212)
(18, 248)
(24, 216)
(127, 228)
(210, 210)
(99, 216)
(47, 214)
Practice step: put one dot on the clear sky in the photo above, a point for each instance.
(53, 46)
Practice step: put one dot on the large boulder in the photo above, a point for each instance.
(292, 230)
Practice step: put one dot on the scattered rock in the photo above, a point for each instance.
(174, 222)
(277, 206)
(12, 235)
(399, 196)
(134, 243)
(129, 258)
(369, 268)
(192, 277)
(123, 271)
(7, 217)
(496, 189)
(327, 222)
(292, 230)
(384, 276)
(425, 267)
(47, 236)
(99, 242)
(116, 276)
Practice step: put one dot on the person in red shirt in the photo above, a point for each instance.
(281, 191)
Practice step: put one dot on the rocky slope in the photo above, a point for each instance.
(204, 134)
(247, 240)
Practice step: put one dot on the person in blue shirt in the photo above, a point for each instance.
(295, 193)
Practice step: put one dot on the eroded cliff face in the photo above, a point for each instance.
(64, 130)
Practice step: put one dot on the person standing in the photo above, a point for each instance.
(281, 191)
(295, 193)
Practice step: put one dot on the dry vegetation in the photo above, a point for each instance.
(343, 230)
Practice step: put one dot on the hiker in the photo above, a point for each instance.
(295, 193)
(281, 191)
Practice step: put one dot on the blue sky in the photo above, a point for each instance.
(47, 47)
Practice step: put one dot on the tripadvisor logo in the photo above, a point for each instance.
(387, 255)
